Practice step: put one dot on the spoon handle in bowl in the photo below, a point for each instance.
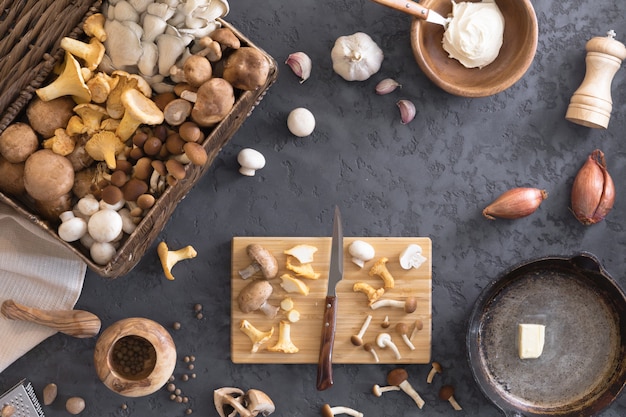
(77, 323)
(406, 6)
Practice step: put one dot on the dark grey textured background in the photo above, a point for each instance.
(431, 178)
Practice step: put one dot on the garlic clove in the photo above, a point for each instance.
(593, 191)
(387, 86)
(300, 64)
(407, 110)
(515, 203)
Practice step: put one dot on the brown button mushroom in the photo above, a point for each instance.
(177, 111)
(197, 70)
(47, 116)
(399, 377)
(226, 38)
(246, 68)
(262, 260)
(11, 177)
(446, 393)
(18, 142)
(215, 99)
(254, 297)
(48, 176)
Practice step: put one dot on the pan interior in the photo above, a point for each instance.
(582, 341)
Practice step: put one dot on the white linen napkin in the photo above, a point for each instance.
(36, 271)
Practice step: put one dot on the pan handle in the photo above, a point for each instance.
(588, 261)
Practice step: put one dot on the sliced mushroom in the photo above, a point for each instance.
(257, 402)
(228, 398)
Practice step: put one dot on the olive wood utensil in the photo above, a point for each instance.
(416, 10)
(77, 323)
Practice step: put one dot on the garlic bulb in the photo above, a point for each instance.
(593, 191)
(356, 57)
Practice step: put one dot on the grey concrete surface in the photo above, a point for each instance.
(431, 178)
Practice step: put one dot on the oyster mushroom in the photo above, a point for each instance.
(254, 296)
(262, 260)
(248, 404)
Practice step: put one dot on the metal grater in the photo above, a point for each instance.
(22, 396)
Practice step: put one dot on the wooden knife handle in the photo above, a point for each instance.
(77, 323)
(325, 364)
(406, 6)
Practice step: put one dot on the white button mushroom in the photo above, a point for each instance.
(361, 252)
(72, 228)
(412, 257)
(301, 122)
(105, 225)
(102, 252)
(250, 160)
(88, 205)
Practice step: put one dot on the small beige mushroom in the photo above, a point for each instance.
(357, 339)
(417, 326)
(383, 340)
(399, 377)
(170, 258)
(215, 99)
(403, 330)
(246, 69)
(380, 269)
(446, 393)
(262, 260)
(177, 111)
(254, 296)
(369, 347)
(257, 337)
(409, 305)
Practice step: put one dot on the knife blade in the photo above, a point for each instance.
(415, 9)
(335, 274)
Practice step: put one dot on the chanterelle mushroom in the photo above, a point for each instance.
(256, 336)
(380, 269)
(262, 260)
(254, 297)
(139, 110)
(284, 343)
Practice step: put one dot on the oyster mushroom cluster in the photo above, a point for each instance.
(149, 37)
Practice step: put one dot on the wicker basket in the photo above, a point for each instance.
(30, 34)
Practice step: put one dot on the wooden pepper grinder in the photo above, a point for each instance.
(591, 103)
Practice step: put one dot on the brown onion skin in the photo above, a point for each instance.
(593, 191)
(515, 203)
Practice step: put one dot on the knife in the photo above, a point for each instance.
(416, 10)
(335, 273)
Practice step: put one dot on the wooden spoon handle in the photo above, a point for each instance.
(77, 323)
(406, 6)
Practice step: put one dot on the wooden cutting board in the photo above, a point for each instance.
(352, 306)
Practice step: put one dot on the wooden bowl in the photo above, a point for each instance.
(516, 54)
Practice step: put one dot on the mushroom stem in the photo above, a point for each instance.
(250, 270)
(328, 411)
(383, 340)
(409, 305)
(357, 339)
(403, 329)
(378, 391)
(436, 369)
(446, 393)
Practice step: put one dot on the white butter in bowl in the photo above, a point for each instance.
(530, 340)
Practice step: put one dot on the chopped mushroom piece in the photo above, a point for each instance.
(399, 377)
(357, 339)
(446, 393)
(403, 330)
(409, 305)
(368, 347)
(284, 343)
(436, 369)
(228, 400)
(262, 260)
(293, 284)
(304, 270)
(257, 337)
(287, 304)
(383, 340)
(380, 269)
(378, 391)
(412, 257)
(254, 296)
(328, 411)
(303, 253)
(293, 315)
(170, 258)
(257, 402)
(373, 294)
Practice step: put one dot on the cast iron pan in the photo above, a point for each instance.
(583, 365)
